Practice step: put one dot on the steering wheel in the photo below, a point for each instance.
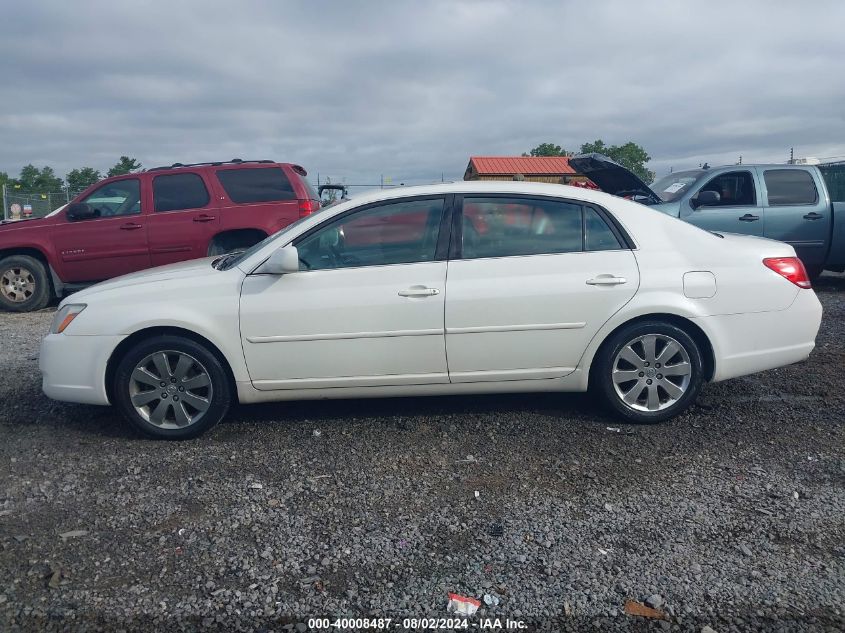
(342, 260)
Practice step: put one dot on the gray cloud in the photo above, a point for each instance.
(411, 90)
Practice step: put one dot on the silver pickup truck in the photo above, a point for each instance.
(789, 203)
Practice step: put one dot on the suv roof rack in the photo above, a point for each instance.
(234, 161)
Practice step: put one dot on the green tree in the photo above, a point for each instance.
(81, 178)
(4, 179)
(34, 180)
(125, 165)
(629, 155)
(547, 149)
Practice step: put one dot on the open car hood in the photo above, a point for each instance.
(613, 178)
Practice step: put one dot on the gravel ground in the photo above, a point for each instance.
(729, 517)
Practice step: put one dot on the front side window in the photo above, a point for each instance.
(245, 186)
(122, 197)
(396, 233)
(176, 192)
(735, 189)
(790, 186)
(503, 227)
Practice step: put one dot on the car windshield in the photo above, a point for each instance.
(233, 259)
(674, 186)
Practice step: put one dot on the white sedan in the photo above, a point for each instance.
(464, 288)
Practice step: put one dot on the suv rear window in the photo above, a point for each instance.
(262, 184)
(790, 186)
(179, 191)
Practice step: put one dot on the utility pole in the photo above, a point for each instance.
(381, 185)
(4, 202)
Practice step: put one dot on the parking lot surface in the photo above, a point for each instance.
(730, 516)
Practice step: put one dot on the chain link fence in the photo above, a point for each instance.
(20, 206)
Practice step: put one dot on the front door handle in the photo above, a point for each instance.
(813, 216)
(130, 226)
(203, 218)
(419, 291)
(606, 280)
(749, 218)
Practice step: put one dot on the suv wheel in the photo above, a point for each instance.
(24, 285)
(170, 387)
(649, 372)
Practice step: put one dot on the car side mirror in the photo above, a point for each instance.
(81, 211)
(706, 199)
(283, 261)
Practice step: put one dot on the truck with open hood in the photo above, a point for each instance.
(789, 203)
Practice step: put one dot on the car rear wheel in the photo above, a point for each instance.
(170, 387)
(649, 372)
(24, 285)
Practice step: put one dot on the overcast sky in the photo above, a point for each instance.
(411, 89)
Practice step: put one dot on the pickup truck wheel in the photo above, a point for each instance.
(24, 285)
(814, 272)
(649, 372)
(171, 387)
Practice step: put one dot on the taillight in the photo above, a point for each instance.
(790, 268)
(307, 207)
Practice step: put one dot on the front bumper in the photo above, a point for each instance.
(755, 341)
(73, 368)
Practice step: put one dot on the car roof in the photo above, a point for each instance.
(484, 187)
(235, 162)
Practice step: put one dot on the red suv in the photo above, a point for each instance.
(160, 216)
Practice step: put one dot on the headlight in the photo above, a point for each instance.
(64, 317)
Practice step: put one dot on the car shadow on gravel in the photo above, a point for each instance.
(560, 405)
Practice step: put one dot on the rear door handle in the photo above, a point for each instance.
(813, 216)
(606, 280)
(749, 218)
(419, 291)
(204, 218)
(130, 226)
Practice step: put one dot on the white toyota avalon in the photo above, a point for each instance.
(464, 288)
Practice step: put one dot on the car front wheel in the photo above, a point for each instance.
(170, 387)
(649, 372)
(24, 285)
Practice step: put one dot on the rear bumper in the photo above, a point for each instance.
(73, 368)
(755, 341)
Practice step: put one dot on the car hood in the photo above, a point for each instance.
(27, 223)
(181, 270)
(613, 178)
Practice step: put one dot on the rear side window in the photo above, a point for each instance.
(790, 186)
(503, 227)
(179, 191)
(597, 234)
(245, 186)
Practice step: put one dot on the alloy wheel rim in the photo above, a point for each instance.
(17, 284)
(170, 389)
(651, 372)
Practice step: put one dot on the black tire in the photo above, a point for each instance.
(218, 393)
(814, 272)
(28, 286)
(602, 376)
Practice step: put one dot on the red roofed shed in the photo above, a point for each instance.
(554, 169)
